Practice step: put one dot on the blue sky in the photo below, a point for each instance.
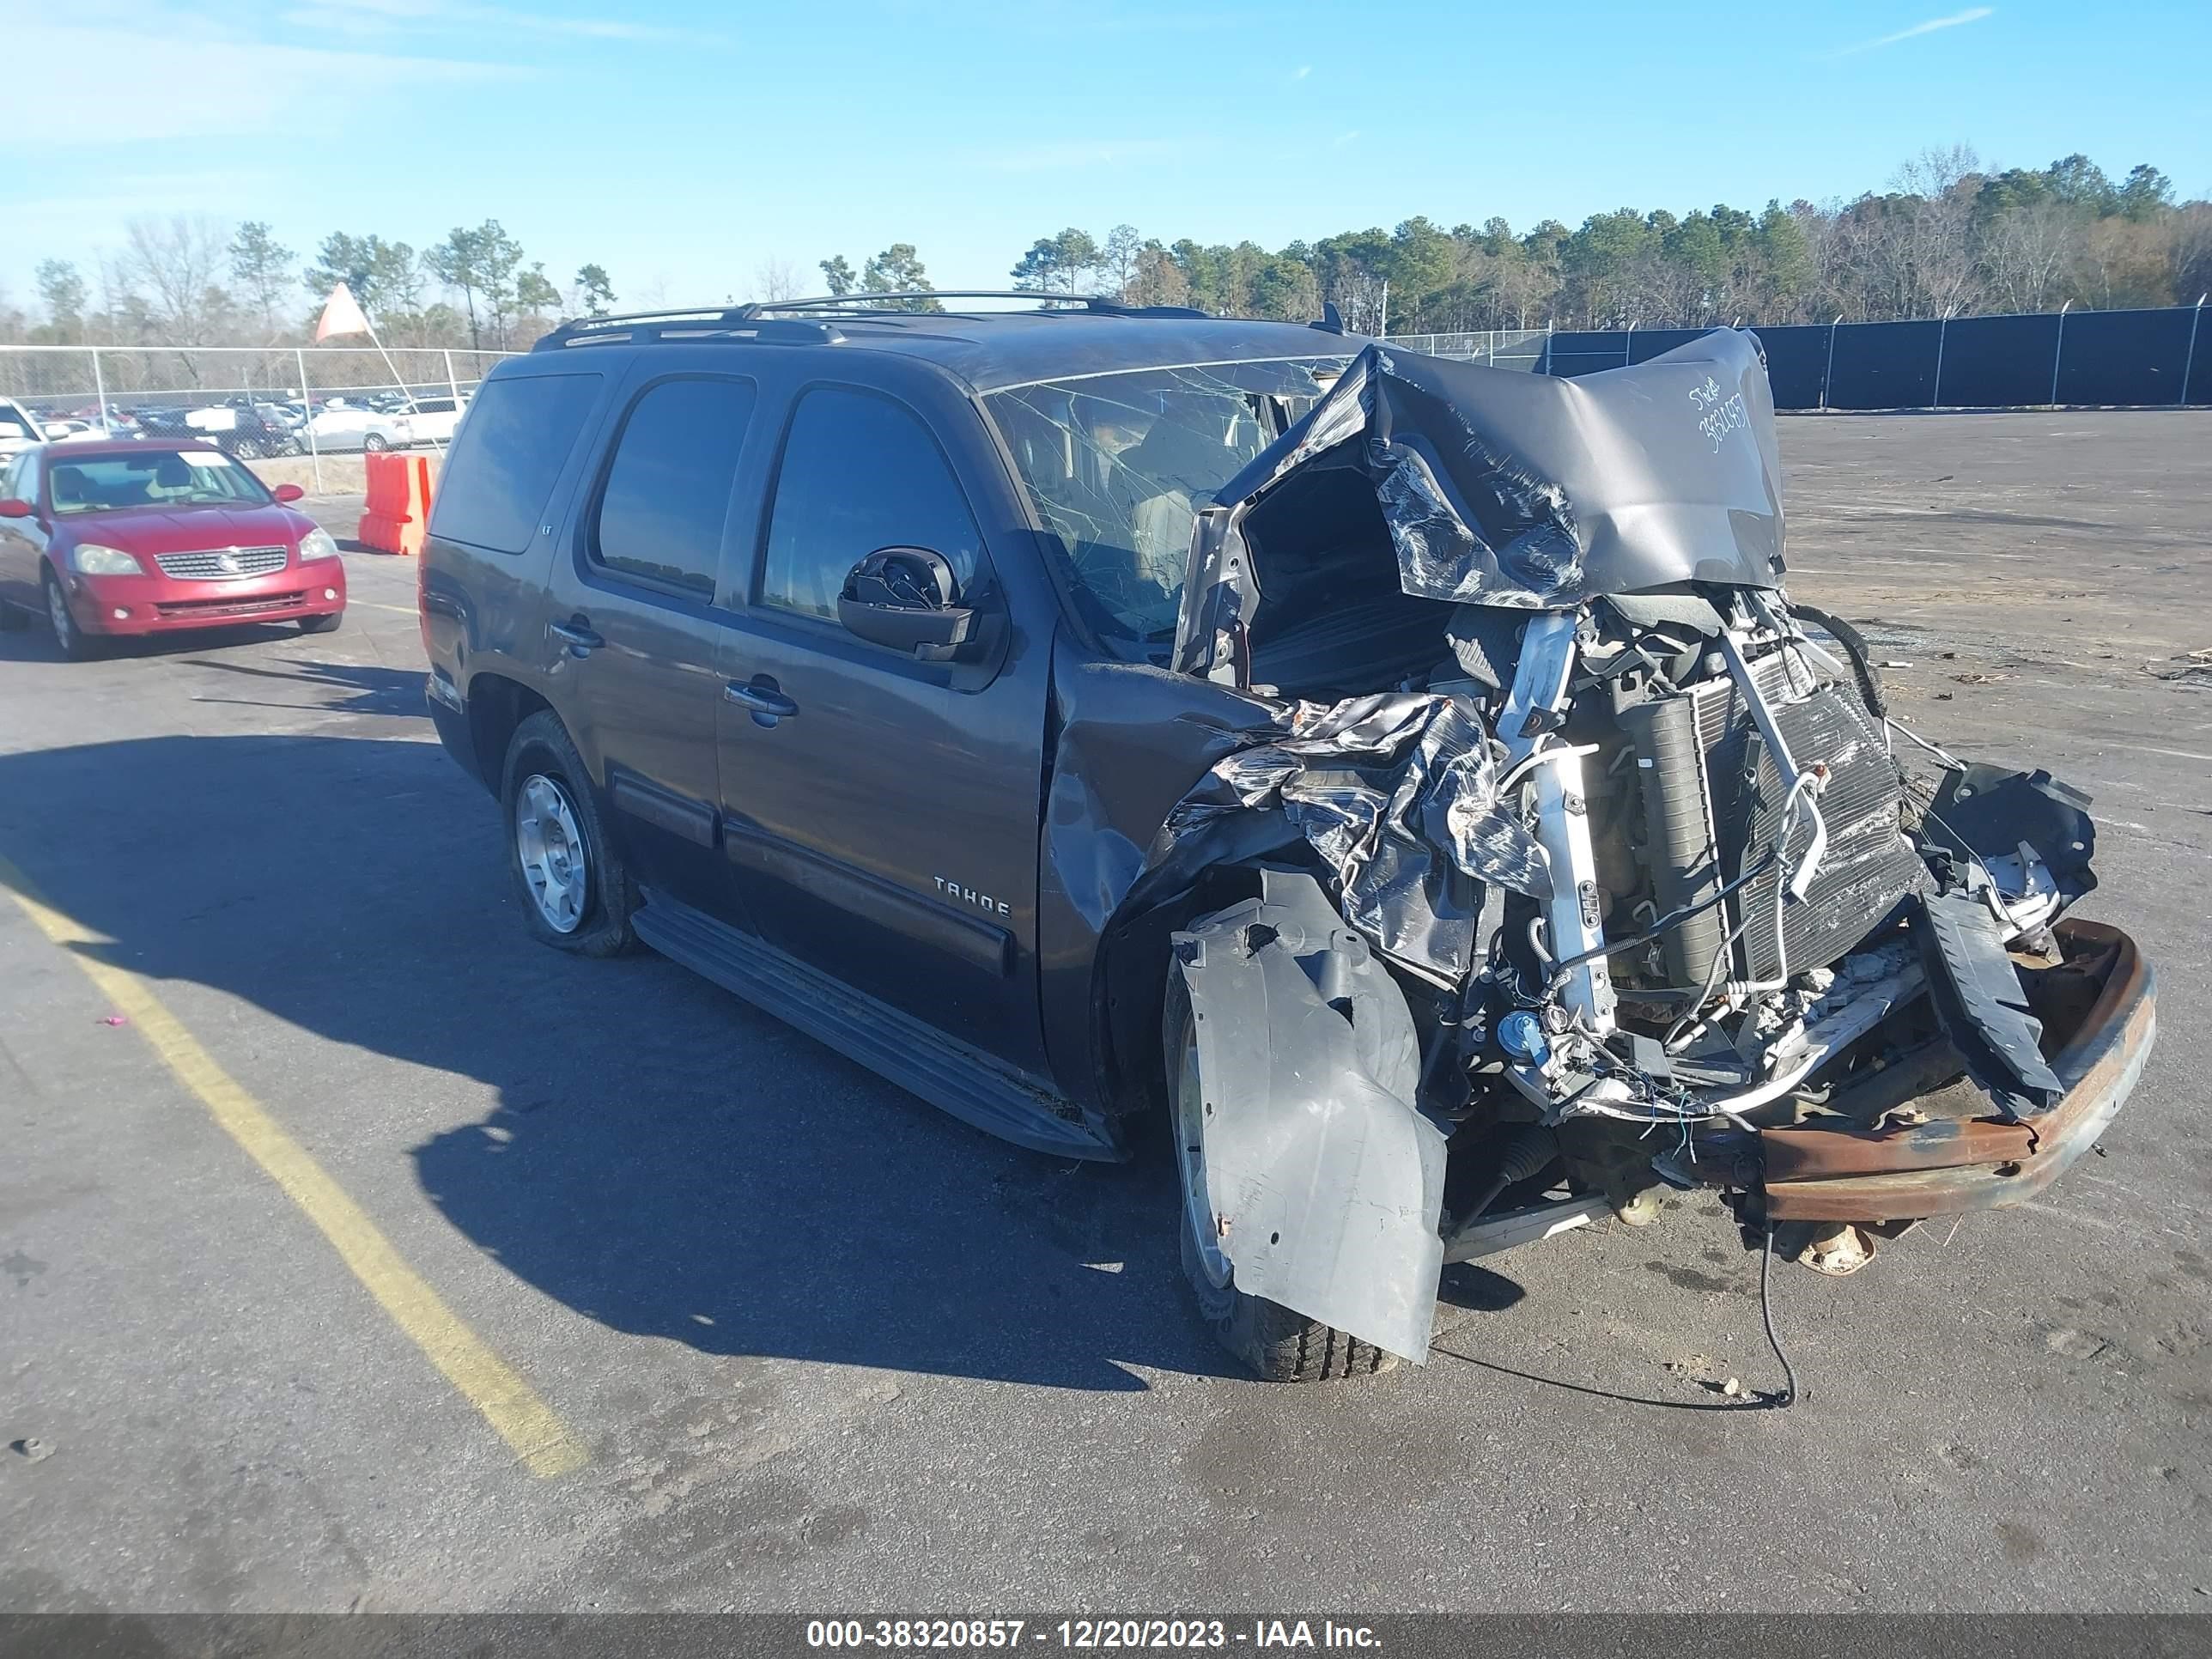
(682, 144)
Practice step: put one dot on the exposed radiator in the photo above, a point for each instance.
(1713, 803)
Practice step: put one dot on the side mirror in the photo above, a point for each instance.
(14, 508)
(59, 428)
(903, 598)
(288, 492)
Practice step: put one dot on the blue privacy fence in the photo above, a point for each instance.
(2155, 358)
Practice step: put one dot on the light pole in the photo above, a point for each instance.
(2058, 352)
(1942, 325)
(2189, 364)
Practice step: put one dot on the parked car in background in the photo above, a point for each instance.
(237, 432)
(135, 537)
(19, 428)
(350, 426)
(433, 420)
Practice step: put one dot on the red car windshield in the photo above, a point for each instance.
(156, 478)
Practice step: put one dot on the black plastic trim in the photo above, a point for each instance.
(970, 939)
(664, 809)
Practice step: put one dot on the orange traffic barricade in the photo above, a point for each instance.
(398, 505)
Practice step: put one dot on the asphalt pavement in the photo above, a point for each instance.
(381, 1259)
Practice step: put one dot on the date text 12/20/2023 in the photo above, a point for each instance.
(1087, 1635)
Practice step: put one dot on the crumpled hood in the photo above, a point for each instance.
(1532, 492)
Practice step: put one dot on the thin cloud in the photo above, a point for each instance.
(1344, 138)
(1301, 71)
(141, 69)
(1971, 14)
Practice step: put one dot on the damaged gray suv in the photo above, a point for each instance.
(1408, 781)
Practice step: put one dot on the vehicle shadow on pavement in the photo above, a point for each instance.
(363, 689)
(661, 1158)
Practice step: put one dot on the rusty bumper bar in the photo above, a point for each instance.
(2099, 1011)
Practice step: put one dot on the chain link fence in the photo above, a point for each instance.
(2148, 359)
(1519, 348)
(256, 402)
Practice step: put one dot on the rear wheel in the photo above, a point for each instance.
(76, 645)
(1278, 1345)
(375, 443)
(576, 895)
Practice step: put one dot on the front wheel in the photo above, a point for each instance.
(76, 644)
(374, 444)
(322, 624)
(576, 895)
(1278, 1345)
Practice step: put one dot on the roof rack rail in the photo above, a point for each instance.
(708, 323)
(863, 304)
(767, 321)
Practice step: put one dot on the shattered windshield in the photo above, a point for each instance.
(1119, 465)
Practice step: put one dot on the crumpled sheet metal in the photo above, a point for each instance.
(1327, 1181)
(1532, 492)
(1398, 793)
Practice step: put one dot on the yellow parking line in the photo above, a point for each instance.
(539, 1439)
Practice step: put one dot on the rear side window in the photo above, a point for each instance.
(660, 515)
(508, 457)
(859, 473)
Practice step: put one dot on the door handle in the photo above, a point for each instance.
(576, 634)
(767, 704)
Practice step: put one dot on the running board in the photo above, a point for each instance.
(971, 1084)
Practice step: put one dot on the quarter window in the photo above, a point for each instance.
(859, 473)
(668, 491)
(496, 481)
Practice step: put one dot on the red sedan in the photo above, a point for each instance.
(126, 538)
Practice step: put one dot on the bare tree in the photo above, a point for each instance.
(170, 271)
(2028, 251)
(1938, 261)
(774, 279)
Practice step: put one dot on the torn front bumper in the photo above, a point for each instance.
(2098, 1011)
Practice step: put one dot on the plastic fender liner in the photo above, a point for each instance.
(1326, 1181)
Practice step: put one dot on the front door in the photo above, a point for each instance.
(881, 813)
(633, 632)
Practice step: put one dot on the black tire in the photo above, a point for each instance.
(541, 750)
(322, 624)
(248, 449)
(1277, 1345)
(76, 644)
(374, 444)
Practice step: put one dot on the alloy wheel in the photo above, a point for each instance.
(555, 857)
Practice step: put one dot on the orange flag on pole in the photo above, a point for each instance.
(342, 314)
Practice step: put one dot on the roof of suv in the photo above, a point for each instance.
(988, 350)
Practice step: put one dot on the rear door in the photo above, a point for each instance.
(879, 813)
(633, 630)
